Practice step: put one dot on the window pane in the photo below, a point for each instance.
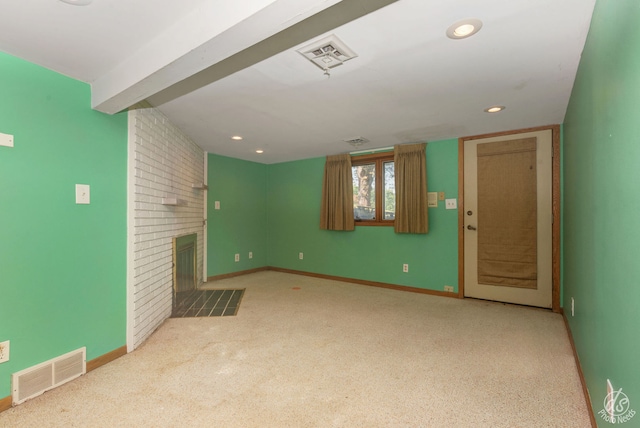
(389, 191)
(364, 191)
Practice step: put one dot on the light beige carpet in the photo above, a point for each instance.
(332, 354)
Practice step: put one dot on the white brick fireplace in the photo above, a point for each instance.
(164, 165)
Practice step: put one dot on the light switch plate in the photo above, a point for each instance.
(6, 140)
(83, 194)
(441, 196)
(217, 205)
(451, 204)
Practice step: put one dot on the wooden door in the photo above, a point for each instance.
(508, 218)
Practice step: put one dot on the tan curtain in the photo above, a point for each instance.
(337, 194)
(411, 188)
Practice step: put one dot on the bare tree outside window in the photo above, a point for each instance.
(389, 191)
(364, 194)
(374, 189)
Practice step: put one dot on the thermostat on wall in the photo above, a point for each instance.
(432, 199)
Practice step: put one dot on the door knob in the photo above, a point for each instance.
(469, 227)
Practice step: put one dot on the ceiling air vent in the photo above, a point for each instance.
(327, 53)
(356, 141)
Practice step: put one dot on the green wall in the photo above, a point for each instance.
(240, 225)
(369, 253)
(62, 265)
(601, 206)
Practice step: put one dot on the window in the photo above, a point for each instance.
(374, 189)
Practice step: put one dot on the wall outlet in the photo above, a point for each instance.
(4, 351)
(301, 256)
(237, 257)
(405, 267)
(573, 307)
(250, 254)
(448, 288)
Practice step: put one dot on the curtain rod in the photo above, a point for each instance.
(381, 149)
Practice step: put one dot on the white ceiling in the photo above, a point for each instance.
(220, 68)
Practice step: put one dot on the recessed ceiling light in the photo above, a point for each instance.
(77, 2)
(463, 29)
(236, 137)
(259, 151)
(494, 109)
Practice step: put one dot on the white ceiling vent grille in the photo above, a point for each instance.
(328, 53)
(33, 381)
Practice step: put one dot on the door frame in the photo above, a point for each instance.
(555, 206)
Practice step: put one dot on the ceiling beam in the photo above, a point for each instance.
(163, 71)
(326, 20)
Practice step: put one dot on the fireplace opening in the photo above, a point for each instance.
(185, 268)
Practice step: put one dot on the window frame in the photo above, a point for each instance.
(379, 160)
